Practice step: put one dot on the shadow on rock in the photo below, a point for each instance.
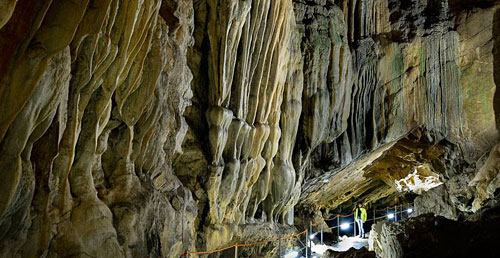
(351, 253)
(430, 236)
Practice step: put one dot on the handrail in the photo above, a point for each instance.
(248, 244)
(294, 235)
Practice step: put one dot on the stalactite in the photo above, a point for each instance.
(155, 127)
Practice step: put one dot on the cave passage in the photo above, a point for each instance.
(249, 128)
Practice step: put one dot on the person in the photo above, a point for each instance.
(360, 217)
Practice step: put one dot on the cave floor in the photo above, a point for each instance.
(345, 244)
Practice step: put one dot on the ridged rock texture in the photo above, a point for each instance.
(436, 236)
(92, 96)
(149, 128)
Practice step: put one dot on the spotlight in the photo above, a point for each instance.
(390, 216)
(344, 226)
(292, 254)
(312, 236)
(410, 210)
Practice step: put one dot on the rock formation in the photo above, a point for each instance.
(150, 128)
(437, 237)
(361, 253)
(92, 93)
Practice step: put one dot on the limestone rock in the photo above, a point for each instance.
(88, 139)
(436, 201)
(361, 253)
(155, 127)
(427, 235)
(486, 181)
(408, 73)
(449, 200)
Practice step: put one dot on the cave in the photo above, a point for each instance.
(249, 128)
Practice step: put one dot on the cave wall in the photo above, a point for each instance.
(427, 235)
(422, 69)
(147, 128)
(92, 99)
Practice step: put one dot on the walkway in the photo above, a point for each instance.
(311, 241)
(345, 244)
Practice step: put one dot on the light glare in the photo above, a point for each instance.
(410, 210)
(292, 254)
(344, 226)
(390, 216)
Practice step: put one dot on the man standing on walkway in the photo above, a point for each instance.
(360, 217)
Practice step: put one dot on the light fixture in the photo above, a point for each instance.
(344, 226)
(312, 236)
(292, 254)
(390, 216)
(410, 210)
(326, 180)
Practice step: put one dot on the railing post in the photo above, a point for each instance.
(374, 216)
(395, 213)
(338, 228)
(354, 220)
(386, 212)
(307, 238)
(279, 247)
(310, 240)
(322, 231)
(236, 251)
(401, 210)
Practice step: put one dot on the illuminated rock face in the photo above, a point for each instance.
(92, 99)
(147, 128)
(418, 64)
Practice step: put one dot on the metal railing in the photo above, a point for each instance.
(393, 213)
